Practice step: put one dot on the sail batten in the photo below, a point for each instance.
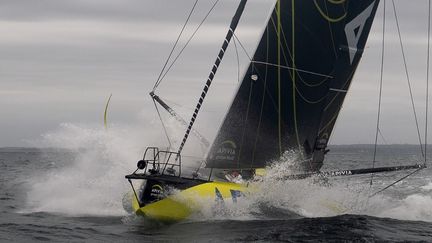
(293, 69)
(291, 94)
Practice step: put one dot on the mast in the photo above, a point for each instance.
(293, 90)
(234, 22)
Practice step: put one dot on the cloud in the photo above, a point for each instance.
(61, 59)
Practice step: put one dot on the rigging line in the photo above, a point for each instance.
(189, 108)
(379, 102)
(241, 45)
(175, 45)
(177, 104)
(331, 32)
(380, 92)
(283, 54)
(295, 69)
(268, 93)
(382, 137)
(408, 79)
(427, 82)
(279, 76)
(326, 77)
(401, 179)
(238, 61)
(293, 41)
(328, 18)
(342, 87)
(189, 40)
(184, 106)
(233, 25)
(280, 33)
(162, 103)
(283, 49)
(293, 73)
(246, 121)
(263, 99)
(337, 1)
(163, 125)
(271, 99)
(330, 121)
(308, 100)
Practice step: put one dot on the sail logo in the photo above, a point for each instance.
(157, 191)
(340, 173)
(354, 30)
(226, 151)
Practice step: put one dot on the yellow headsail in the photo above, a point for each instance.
(106, 111)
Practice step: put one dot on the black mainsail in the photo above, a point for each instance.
(289, 98)
(294, 88)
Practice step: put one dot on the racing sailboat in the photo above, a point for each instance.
(289, 99)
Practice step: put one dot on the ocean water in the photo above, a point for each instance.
(74, 194)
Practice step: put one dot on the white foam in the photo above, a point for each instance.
(275, 197)
(413, 207)
(427, 187)
(310, 198)
(93, 183)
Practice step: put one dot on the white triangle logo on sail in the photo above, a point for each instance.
(354, 29)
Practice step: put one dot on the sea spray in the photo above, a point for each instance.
(323, 197)
(315, 196)
(311, 197)
(413, 206)
(274, 197)
(93, 183)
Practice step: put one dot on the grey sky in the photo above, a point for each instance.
(61, 59)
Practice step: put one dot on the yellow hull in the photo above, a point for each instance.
(181, 205)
